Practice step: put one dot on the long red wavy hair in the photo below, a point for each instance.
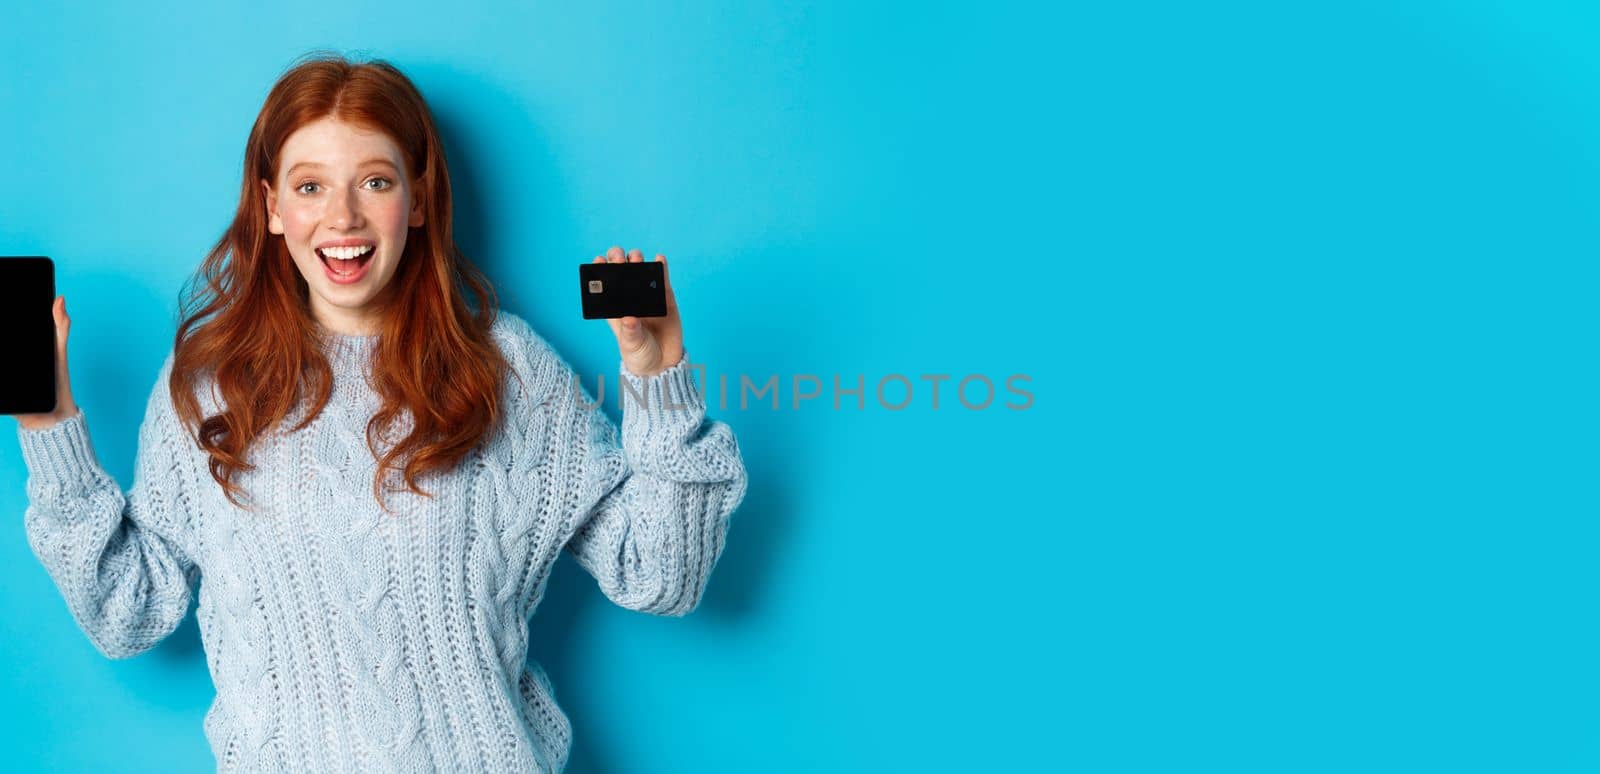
(247, 323)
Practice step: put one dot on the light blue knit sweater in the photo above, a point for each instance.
(343, 639)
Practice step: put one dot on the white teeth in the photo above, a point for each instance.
(346, 253)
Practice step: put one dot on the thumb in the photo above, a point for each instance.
(64, 403)
(63, 327)
(63, 322)
(631, 333)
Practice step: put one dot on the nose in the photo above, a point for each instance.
(344, 212)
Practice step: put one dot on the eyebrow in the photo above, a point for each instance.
(368, 162)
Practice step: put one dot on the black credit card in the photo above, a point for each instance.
(633, 288)
(28, 330)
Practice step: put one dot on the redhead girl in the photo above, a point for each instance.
(366, 478)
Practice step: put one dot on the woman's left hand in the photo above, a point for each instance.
(649, 345)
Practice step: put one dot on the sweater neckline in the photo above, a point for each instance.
(348, 350)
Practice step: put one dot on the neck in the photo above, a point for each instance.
(346, 327)
(364, 321)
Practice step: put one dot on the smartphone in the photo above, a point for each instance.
(28, 330)
(612, 290)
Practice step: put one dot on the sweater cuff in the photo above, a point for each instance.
(665, 400)
(61, 453)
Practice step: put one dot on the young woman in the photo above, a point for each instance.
(351, 624)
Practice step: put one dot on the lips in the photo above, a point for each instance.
(346, 263)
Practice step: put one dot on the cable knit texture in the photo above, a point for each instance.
(341, 638)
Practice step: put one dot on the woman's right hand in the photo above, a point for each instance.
(65, 408)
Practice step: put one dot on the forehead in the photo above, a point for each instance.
(336, 144)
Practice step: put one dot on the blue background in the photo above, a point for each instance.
(1305, 292)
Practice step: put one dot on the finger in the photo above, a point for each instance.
(666, 275)
(63, 327)
(634, 256)
(615, 255)
(63, 322)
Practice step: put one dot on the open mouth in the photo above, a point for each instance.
(345, 262)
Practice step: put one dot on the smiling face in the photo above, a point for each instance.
(343, 203)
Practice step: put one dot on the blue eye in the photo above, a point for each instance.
(383, 180)
(302, 188)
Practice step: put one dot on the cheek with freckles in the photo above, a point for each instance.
(300, 227)
(389, 219)
(299, 222)
(390, 214)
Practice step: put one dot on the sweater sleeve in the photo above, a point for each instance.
(118, 559)
(652, 511)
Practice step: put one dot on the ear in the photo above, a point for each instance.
(417, 218)
(274, 223)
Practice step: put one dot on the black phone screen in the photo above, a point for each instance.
(28, 333)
